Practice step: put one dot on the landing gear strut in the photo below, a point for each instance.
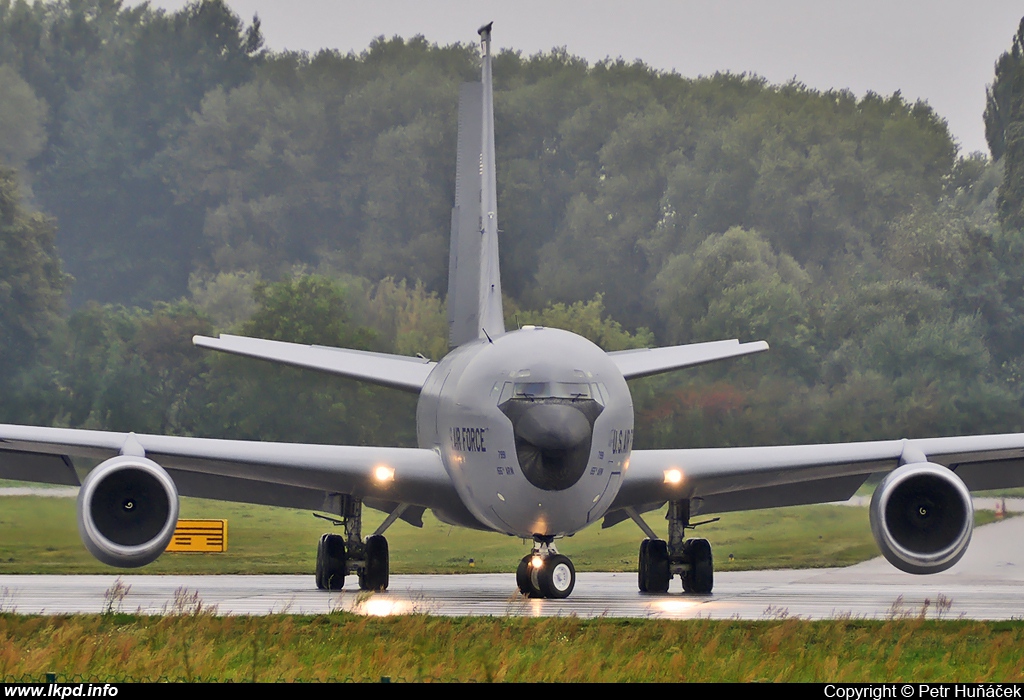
(338, 556)
(544, 573)
(690, 559)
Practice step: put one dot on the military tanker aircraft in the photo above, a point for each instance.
(526, 432)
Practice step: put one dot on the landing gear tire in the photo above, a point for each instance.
(523, 577)
(374, 576)
(330, 563)
(528, 579)
(700, 577)
(557, 577)
(643, 566)
(653, 575)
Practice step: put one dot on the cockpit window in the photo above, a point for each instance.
(548, 390)
(551, 390)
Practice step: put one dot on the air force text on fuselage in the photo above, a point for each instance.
(469, 439)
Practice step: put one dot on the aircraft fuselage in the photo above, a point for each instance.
(535, 429)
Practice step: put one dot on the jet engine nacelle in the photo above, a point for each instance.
(127, 511)
(922, 517)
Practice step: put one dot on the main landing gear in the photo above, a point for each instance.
(337, 555)
(544, 573)
(660, 560)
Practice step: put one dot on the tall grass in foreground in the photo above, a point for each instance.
(342, 646)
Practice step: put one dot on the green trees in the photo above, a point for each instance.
(247, 399)
(32, 283)
(130, 369)
(22, 120)
(735, 286)
(1003, 96)
(1004, 130)
(637, 208)
(118, 368)
(588, 319)
(119, 82)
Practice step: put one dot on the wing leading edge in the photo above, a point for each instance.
(744, 478)
(285, 474)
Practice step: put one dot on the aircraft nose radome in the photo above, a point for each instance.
(553, 438)
(553, 427)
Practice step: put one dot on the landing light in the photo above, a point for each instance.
(383, 474)
(673, 477)
(537, 562)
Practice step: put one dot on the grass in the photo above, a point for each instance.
(14, 483)
(1017, 492)
(341, 646)
(39, 535)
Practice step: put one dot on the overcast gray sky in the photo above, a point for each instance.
(941, 51)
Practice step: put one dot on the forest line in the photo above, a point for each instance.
(165, 175)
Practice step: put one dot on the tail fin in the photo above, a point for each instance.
(474, 280)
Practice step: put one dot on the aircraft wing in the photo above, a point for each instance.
(644, 362)
(396, 371)
(745, 478)
(285, 474)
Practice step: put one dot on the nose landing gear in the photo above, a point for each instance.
(544, 573)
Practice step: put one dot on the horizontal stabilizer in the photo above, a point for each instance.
(643, 363)
(396, 371)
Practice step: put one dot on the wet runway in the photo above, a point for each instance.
(986, 584)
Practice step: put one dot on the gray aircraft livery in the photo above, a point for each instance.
(526, 432)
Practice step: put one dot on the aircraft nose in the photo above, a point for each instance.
(553, 427)
(553, 439)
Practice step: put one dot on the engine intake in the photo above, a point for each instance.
(922, 518)
(127, 511)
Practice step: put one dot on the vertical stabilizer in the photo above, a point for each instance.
(474, 281)
(464, 255)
